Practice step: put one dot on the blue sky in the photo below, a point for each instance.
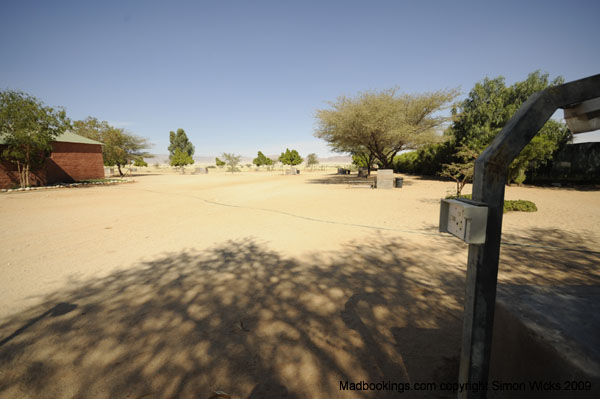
(243, 76)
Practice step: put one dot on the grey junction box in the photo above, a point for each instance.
(464, 219)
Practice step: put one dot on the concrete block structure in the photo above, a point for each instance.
(385, 179)
(548, 334)
(73, 158)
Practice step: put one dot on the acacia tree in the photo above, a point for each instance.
(381, 124)
(27, 128)
(291, 158)
(120, 147)
(179, 141)
(363, 159)
(312, 160)
(232, 161)
(462, 170)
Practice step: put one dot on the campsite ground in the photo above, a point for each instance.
(257, 284)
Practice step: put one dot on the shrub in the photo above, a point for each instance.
(519, 206)
(405, 163)
(427, 160)
(509, 205)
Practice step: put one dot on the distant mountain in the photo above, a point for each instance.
(341, 159)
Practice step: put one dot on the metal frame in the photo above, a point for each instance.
(491, 172)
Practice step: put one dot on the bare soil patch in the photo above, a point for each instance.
(257, 284)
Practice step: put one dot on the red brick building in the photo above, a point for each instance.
(73, 158)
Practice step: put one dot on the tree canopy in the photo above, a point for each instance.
(490, 105)
(290, 157)
(311, 160)
(262, 160)
(181, 150)
(120, 147)
(380, 124)
(27, 128)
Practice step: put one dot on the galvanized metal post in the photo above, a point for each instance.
(491, 170)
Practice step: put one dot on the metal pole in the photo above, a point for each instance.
(491, 170)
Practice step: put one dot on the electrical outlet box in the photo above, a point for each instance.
(464, 219)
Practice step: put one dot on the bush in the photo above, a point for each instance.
(427, 160)
(405, 163)
(519, 206)
(509, 205)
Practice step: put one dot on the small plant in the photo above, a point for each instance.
(219, 163)
(519, 206)
(509, 205)
(461, 172)
(232, 161)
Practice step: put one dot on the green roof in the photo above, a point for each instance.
(70, 137)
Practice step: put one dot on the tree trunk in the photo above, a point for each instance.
(21, 176)
(119, 167)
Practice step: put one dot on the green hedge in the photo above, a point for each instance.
(427, 160)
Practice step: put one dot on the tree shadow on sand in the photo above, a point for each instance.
(243, 319)
(238, 318)
(343, 179)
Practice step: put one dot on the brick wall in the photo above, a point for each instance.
(68, 162)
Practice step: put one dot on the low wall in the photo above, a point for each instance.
(546, 336)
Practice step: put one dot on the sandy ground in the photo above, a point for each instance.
(256, 284)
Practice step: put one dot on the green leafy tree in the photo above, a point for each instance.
(179, 141)
(312, 160)
(364, 159)
(462, 170)
(262, 160)
(232, 161)
(487, 109)
(181, 158)
(27, 128)
(381, 124)
(219, 163)
(139, 162)
(291, 158)
(120, 147)
(92, 128)
(551, 137)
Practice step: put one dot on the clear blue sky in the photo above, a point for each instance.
(242, 76)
